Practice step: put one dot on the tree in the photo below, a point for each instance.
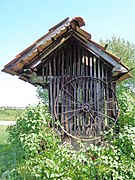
(126, 51)
(42, 94)
(126, 89)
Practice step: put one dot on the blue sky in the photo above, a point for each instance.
(24, 21)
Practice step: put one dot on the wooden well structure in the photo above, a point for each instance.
(80, 76)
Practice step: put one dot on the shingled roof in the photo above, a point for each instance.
(28, 59)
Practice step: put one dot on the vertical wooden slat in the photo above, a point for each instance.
(107, 99)
(85, 89)
(63, 61)
(95, 94)
(99, 95)
(55, 83)
(91, 85)
(66, 96)
(82, 87)
(50, 91)
(111, 97)
(82, 63)
(54, 65)
(67, 61)
(75, 61)
(58, 108)
(43, 72)
(115, 105)
(59, 64)
(71, 59)
(47, 70)
(86, 53)
(103, 92)
(78, 62)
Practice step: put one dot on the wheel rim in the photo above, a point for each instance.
(85, 106)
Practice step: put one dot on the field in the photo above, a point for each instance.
(10, 114)
(3, 135)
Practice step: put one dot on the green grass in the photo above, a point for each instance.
(10, 114)
(6, 154)
(3, 135)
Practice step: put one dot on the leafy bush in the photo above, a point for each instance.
(35, 152)
(127, 106)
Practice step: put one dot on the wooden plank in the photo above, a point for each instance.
(74, 61)
(82, 63)
(67, 61)
(50, 92)
(59, 64)
(63, 62)
(86, 64)
(75, 105)
(83, 89)
(91, 84)
(106, 99)
(103, 98)
(79, 100)
(58, 108)
(99, 96)
(43, 72)
(78, 61)
(71, 59)
(47, 71)
(95, 94)
(54, 93)
(54, 65)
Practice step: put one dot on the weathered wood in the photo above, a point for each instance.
(74, 65)
(78, 61)
(51, 93)
(99, 95)
(71, 61)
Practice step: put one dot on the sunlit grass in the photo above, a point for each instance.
(3, 135)
(10, 114)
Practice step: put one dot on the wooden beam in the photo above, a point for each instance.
(94, 49)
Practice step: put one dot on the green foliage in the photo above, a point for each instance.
(35, 152)
(42, 95)
(32, 129)
(126, 51)
(118, 159)
(9, 114)
(127, 107)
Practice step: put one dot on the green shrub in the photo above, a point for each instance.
(127, 107)
(35, 152)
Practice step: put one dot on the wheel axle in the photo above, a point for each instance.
(86, 108)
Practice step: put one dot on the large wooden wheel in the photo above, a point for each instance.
(86, 108)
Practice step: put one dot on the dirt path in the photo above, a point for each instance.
(7, 123)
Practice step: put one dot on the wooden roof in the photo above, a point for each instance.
(28, 59)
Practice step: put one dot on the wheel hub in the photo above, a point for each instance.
(86, 108)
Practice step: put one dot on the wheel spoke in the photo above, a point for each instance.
(71, 95)
(73, 87)
(87, 106)
(105, 116)
(101, 120)
(69, 100)
(69, 118)
(75, 110)
(64, 106)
